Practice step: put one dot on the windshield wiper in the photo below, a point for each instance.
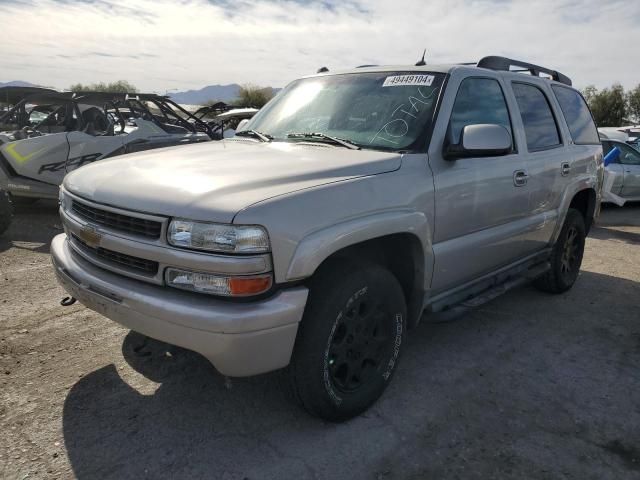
(263, 137)
(324, 136)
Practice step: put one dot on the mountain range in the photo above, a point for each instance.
(223, 93)
(17, 83)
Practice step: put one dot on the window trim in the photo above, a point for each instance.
(553, 115)
(553, 89)
(514, 145)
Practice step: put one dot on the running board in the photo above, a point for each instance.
(455, 311)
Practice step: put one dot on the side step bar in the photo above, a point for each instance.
(455, 311)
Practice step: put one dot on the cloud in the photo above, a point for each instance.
(199, 42)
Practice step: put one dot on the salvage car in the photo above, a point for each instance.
(348, 207)
(49, 134)
(224, 119)
(626, 168)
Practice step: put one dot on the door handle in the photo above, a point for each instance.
(565, 169)
(520, 178)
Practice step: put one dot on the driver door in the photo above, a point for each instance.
(481, 208)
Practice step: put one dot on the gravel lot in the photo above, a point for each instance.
(527, 386)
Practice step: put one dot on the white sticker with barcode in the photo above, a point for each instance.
(408, 80)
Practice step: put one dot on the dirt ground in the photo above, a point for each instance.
(527, 386)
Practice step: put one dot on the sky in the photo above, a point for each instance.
(169, 45)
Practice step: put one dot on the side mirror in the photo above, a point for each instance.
(481, 140)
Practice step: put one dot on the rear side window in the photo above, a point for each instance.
(577, 114)
(479, 100)
(540, 125)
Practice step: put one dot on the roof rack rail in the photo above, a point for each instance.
(505, 64)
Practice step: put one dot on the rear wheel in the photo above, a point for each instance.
(6, 211)
(349, 340)
(566, 257)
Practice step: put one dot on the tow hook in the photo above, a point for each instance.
(67, 301)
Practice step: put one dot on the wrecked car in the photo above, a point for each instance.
(48, 134)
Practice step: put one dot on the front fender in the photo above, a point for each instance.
(314, 248)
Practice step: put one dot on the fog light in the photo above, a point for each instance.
(217, 284)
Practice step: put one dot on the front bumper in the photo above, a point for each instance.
(239, 339)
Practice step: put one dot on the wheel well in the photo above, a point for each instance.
(402, 254)
(585, 202)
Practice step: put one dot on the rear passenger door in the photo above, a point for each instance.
(546, 159)
(480, 211)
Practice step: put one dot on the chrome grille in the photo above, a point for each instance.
(139, 265)
(117, 221)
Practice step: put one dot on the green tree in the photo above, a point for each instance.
(633, 104)
(253, 96)
(609, 106)
(120, 86)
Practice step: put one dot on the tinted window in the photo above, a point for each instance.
(479, 100)
(540, 127)
(576, 113)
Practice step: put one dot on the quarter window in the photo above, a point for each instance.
(577, 114)
(540, 126)
(479, 100)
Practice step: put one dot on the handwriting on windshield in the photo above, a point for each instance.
(401, 117)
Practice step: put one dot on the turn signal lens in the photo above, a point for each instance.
(249, 286)
(218, 285)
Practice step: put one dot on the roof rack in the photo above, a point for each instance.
(505, 64)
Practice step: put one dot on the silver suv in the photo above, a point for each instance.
(350, 205)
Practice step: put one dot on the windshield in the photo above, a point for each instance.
(384, 110)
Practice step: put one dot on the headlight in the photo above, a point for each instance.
(218, 237)
(216, 284)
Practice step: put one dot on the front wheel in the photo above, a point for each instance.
(566, 256)
(6, 211)
(349, 340)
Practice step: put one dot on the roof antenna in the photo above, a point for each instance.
(322, 70)
(422, 63)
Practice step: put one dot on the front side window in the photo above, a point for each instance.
(382, 110)
(628, 155)
(540, 126)
(479, 100)
(577, 114)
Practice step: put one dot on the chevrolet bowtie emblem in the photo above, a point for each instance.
(90, 236)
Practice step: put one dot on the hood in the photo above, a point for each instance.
(215, 180)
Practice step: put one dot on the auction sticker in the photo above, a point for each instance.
(408, 80)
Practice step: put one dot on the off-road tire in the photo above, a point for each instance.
(349, 341)
(566, 257)
(6, 211)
